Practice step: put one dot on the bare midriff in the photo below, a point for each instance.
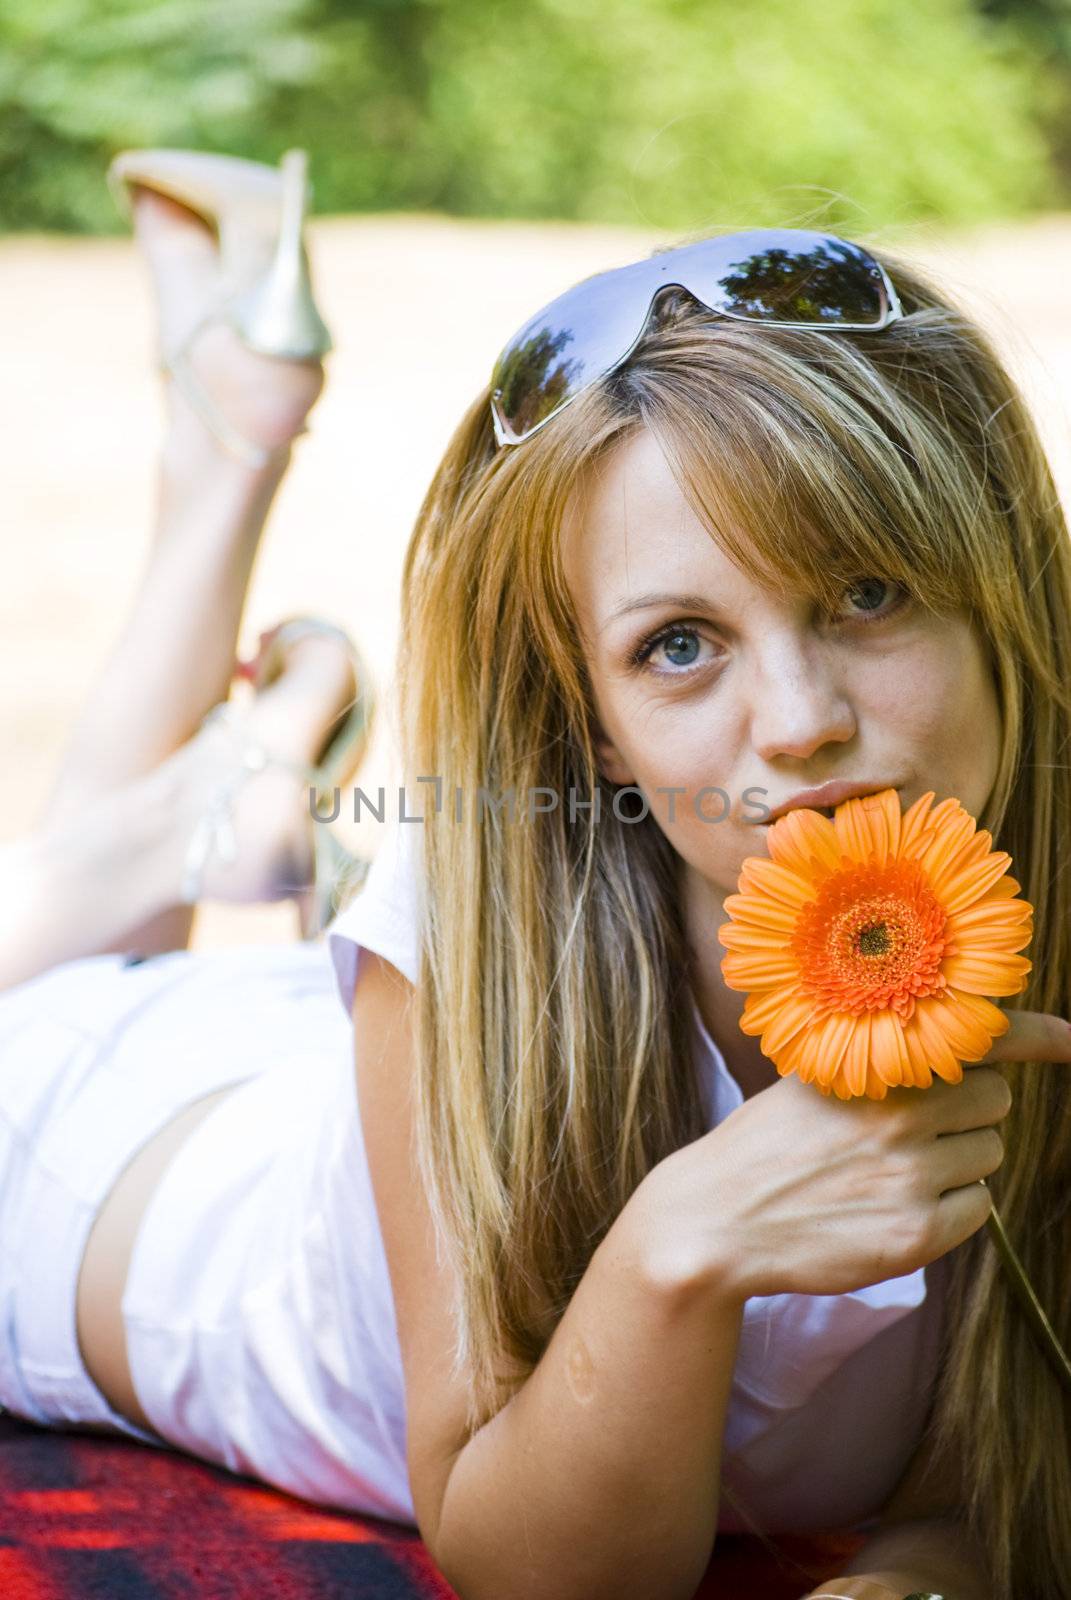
(105, 1263)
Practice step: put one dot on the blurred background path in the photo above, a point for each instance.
(419, 306)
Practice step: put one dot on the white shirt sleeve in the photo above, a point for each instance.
(384, 915)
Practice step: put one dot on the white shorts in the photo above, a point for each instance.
(96, 1055)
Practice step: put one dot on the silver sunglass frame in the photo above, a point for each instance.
(664, 265)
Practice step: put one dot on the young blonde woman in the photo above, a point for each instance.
(545, 1257)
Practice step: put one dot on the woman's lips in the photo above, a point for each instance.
(825, 798)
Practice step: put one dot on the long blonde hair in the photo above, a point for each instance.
(554, 1057)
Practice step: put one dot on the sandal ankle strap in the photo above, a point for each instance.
(177, 363)
(214, 832)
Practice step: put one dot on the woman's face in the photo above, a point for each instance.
(749, 692)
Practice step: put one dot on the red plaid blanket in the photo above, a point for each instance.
(90, 1517)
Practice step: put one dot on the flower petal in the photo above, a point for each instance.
(760, 1009)
(798, 1057)
(851, 1072)
(785, 1026)
(989, 916)
(746, 936)
(852, 824)
(916, 825)
(991, 942)
(761, 876)
(979, 973)
(888, 1048)
(916, 1053)
(966, 1037)
(940, 1056)
(751, 971)
(1004, 889)
(804, 841)
(876, 1090)
(832, 1038)
(946, 843)
(760, 912)
(966, 887)
(883, 815)
(995, 1021)
(976, 849)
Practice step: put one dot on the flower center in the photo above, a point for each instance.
(873, 939)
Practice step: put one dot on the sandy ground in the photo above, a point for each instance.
(419, 307)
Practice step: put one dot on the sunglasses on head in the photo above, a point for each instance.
(788, 277)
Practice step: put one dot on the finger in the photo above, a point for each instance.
(960, 1158)
(980, 1100)
(961, 1212)
(1031, 1036)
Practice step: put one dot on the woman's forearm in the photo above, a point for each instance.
(935, 1555)
(600, 1477)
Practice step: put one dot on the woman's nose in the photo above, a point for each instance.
(798, 705)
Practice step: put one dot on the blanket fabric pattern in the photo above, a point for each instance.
(94, 1517)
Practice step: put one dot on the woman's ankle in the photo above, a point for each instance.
(192, 457)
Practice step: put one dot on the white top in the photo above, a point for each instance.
(829, 1392)
(261, 1325)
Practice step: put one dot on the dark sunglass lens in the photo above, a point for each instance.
(830, 281)
(535, 375)
(567, 345)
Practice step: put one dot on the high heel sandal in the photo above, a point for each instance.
(265, 292)
(336, 870)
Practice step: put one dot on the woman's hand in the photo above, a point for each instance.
(799, 1192)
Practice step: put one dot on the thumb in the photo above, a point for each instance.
(1030, 1036)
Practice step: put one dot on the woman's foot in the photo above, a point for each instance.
(264, 399)
(294, 719)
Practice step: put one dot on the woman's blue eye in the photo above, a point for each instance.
(678, 641)
(866, 587)
(682, 641)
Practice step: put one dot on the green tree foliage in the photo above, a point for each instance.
(81, 79)
(1044, 27)
(688, 114)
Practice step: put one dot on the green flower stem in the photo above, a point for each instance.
(1035, 1315)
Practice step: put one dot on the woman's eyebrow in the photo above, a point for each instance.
(690, 602)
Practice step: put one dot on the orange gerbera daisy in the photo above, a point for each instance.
(868, 942)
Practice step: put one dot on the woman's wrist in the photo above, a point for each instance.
(671, 1263)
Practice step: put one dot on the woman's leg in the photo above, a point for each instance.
(83, 885)
(77, 887)
(175, 656)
